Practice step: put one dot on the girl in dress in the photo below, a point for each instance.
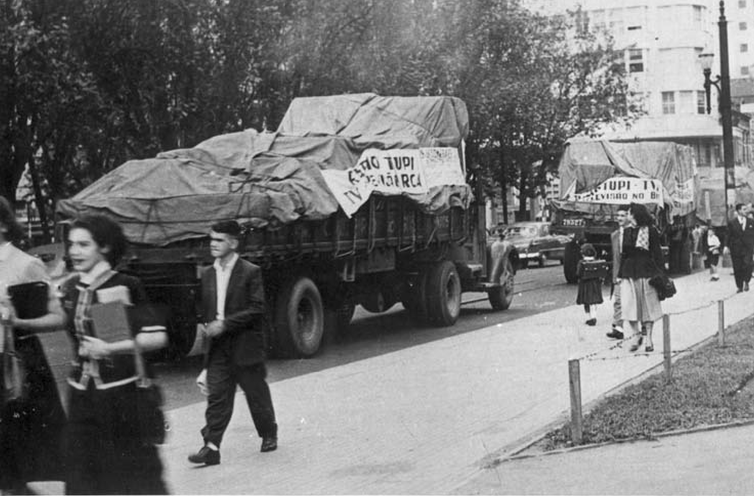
(591, 273)
(104, 452)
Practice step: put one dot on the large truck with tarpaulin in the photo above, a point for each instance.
(354, 200)
(597, 176)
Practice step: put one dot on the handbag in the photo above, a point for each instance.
(149, 400)
(14, 370)
(663, 284)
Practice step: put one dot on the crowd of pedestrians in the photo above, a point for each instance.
(105, 441)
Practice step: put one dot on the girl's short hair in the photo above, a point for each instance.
(588, 250)
(105, 232)
(13, 230)
(641, 215)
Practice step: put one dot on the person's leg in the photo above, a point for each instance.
(258, 397)
(736, 261)
(222, 391)
(649, 346)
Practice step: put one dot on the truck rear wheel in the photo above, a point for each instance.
(570, 261)
(501, 297)
(443, 292)
(299, 319)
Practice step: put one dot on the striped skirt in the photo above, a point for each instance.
(639, 301)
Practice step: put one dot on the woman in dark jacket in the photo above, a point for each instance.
(641, 259)
(105, 453)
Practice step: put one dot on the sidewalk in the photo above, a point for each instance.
(426, 419)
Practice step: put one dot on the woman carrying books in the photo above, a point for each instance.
(104, 453)
(31, 424)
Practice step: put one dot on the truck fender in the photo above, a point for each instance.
(499, 251)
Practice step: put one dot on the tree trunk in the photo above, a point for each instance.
(39, 201)
(522, 196)
(504, 192)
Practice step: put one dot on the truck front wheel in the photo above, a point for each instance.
(443, 292)
(501, 297)
(570, 262)
(299, 319)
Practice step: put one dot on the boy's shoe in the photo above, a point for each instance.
(206, 456)
(591, 322)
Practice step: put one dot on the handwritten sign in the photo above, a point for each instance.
(622, 191)
(393, 172)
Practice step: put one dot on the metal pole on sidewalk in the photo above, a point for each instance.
(721, 322)
(574, 380)
(666, 346)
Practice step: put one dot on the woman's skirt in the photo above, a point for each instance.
(639, 301)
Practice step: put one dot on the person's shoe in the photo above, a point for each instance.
(746, 286)
(649, 348)
(206, 456)
(591, 322)
(636, 344)
(615, 333)
(714, 278)
(269, 444)
(740, 290)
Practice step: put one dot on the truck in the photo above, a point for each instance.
(354, 200)
(596, 176)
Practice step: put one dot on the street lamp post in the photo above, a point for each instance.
(722, 83)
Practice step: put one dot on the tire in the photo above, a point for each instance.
(502, 297)
(570, 261)
(443, 294)
(299, 319)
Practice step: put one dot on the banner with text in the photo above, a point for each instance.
(622, 191)
(393, 172)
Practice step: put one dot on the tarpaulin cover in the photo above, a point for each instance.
(271, 178)
(588, 163)
(711, 193)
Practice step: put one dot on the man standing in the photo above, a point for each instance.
(233, 307)
(741, 245)
(616, 239)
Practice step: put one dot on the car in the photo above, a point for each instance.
(534, 242)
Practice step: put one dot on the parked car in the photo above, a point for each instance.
(534, 242)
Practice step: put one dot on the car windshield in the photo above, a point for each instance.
(522, 231)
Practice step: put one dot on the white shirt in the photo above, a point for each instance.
(620, 239)
(742, 220)
(223, 278)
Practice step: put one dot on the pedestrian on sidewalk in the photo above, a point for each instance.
(234, 310)
(106, 450)
(641, 259)
(741, 245)
(591, 273)
(616, 241)
(31, 425)
(711, 248)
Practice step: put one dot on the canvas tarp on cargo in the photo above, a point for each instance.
(271, 178)
(587, 164)
(711, 194)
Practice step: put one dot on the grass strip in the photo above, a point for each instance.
(710, 386)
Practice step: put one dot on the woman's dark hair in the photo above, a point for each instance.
(13, 230)
(641, 215)
(106, 233)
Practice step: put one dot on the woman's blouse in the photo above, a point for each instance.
(114, 370)
(637, 263)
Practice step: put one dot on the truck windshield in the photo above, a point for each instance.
(523, 231)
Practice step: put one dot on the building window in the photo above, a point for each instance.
(697, 17)
(741, 4)
(635, 60)
(686, 102)
(597, 20)
(701, 102)
(744, 47)
(668, 102)
(745, 70)
(742, 26)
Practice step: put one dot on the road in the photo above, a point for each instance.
(537, 290)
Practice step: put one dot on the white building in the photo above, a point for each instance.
(661, 42)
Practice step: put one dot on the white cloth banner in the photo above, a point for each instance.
(622, 191)
(393, 172)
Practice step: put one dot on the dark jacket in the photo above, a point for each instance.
(245, 312)
(741, 241)
(637, 263)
